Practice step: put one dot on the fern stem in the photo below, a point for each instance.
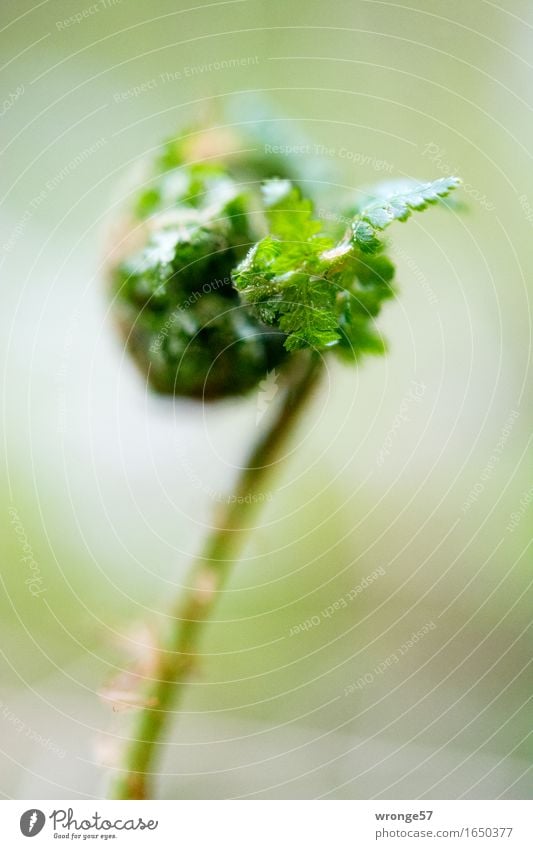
(178, 645)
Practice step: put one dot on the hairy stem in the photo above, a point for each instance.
(178, 646)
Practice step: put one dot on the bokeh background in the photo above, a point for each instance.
(414, 468)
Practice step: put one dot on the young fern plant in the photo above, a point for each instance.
(231, 274)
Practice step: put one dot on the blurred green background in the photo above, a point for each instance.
(106, 489)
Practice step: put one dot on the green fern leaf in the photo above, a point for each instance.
(319, 292)
(398, 207)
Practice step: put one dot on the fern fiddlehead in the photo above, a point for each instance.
(233, 275)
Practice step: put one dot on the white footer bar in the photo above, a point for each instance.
(268, 824)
